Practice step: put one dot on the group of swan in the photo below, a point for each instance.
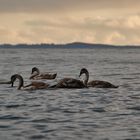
(62, 83)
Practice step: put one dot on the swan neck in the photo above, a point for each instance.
(21, 82)
(34, 75)
(86, 78)
(37, 71)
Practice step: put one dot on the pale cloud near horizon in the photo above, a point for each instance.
(63, 21)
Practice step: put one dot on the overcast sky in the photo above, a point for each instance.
(64, 21)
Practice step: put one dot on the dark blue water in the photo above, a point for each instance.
(67, 114)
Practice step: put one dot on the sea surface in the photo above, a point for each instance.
(71, 114)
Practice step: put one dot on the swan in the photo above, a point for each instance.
(32, 86)
(36, 75)
(96, 83)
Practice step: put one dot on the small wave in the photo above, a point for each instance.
(98, 109)
(14, 105)
(134, 108)
(11, 117)
(5, 126)
(37, 137)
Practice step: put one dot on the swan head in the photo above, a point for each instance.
(19, 77)
(13, 79)
(83, 71)
(35, 69)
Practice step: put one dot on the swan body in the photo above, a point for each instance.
(96, 83)
(101, 84)
(32, 86)
(69, 83)
(36, 75)
(72, 83)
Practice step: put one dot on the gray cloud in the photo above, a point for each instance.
(26, 6)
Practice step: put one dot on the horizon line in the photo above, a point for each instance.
(70, 43)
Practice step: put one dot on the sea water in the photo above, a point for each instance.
(67, 114)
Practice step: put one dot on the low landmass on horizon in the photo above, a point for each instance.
(68, 45)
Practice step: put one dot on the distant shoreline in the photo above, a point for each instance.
(68, 45)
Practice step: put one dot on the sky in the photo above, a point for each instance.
(114, 22)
